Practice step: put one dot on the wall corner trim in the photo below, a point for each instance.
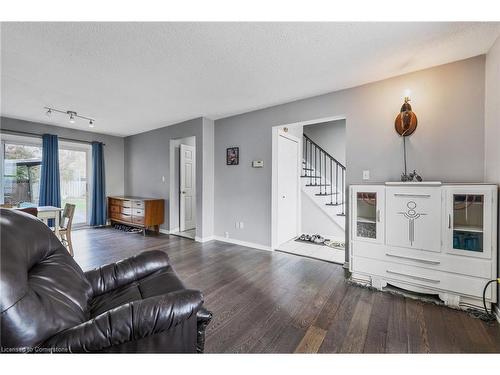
(203, 239)
(243, 243)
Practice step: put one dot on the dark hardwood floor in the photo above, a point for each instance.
(265, 302)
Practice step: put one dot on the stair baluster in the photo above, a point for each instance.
(316, 164)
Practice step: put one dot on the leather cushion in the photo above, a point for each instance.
(43, 290)
(158, 283)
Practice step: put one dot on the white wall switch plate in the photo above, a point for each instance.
(162, 178)
(258, 163)
(366, 175)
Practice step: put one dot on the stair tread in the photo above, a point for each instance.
(316, 185)
(333, 204)
(311, 176)
(325, 194)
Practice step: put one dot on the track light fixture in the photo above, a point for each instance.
(72, 115)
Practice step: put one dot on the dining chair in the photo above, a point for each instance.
(65, 226)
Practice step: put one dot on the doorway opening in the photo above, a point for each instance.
(309, 189)
(183, 187)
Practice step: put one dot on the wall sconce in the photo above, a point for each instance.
(405, 124)
(406, 121)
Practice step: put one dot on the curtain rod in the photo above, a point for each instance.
(18, 132)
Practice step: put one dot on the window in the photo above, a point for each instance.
(21, 160)
(21, 174)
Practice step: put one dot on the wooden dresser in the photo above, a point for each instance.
(136, 211)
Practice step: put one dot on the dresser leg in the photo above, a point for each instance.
(378, 283)
(157, 229)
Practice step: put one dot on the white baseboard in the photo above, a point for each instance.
(164, 231)
(203, 239)
(242, 243)
(174, 230)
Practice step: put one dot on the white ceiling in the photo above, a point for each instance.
(134, 77)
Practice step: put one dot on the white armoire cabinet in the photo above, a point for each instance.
(426, 237)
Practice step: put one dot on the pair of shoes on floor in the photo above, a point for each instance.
(335, 244)
(315, 238)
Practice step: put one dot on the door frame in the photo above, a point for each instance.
(275, 131)
(181, 216)
(87, 148)
(172, 180)
(281, 133)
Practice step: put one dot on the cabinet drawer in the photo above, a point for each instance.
(138, 220)
(115, 202)
(137, 212)
(137, 204)
(127, 203)
(425, 259)
(114, 208)
(126, 211)
(120, 216)
(422, 277)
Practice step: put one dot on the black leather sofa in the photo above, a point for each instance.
(48, 304)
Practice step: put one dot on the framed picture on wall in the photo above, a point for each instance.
(233, 156)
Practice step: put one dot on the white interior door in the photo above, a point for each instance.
(187, 188)
(288, 188)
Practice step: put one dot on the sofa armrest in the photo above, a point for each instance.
(203, 318)
(129, 322)
(114, 275)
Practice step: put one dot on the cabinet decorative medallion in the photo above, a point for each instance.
(412, 215)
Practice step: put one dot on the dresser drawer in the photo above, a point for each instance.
(421, 277)
(126, 203)
(126, 211)
(138, 220)
(114, 208)
(120, 216)
(137, 212)
(137, 204)
(115, 202)
(425, 259)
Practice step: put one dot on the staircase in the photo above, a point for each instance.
(323, 181)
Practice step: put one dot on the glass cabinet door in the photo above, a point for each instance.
(470, 221)
(367, 205)
(468, 225)
(366, 219)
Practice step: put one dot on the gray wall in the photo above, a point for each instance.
(330, 136)
(448, 144)
(147, 157)
(492, 121)
(113, 151)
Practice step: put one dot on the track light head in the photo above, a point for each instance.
(91, 123)
(48, 113)
(72, 115)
